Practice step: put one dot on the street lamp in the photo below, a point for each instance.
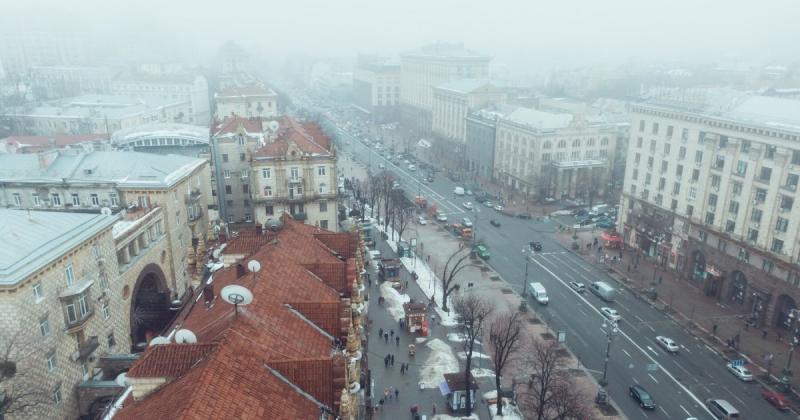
(527, 253)
(610, 329)
(786, 374)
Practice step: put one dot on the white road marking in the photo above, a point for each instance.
(651, 349)
(710, 349)
(627, 337)
(665, 411)
(640, 319)
(651, 328)
(685, 410)
(629, 355)
(685, 348)
(652, 377)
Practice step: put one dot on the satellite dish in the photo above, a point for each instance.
(122, 380)
(273, 125)
(254, 266)
(105, 211)
(184, 336)
(159, 340)
(236, 295)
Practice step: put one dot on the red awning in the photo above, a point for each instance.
(611, 237)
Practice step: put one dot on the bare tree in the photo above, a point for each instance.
(505, 335)
(21, 383)
(402, 217)
(458, 261)
(472, 311)
(386, 188)
(551, 393)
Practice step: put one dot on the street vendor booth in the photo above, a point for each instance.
(403, 249)
(611, 240)
(415, 318)
(388, 269)
(454, 389)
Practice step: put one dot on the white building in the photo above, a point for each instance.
(249, 101)
(23, 49)
(68, 81)
(711, 191)
(376, 87)
(453, 100)
(180, 87)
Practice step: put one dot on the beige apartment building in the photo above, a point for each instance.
(711, 192)
(558, 155)
(248, 101)
(295, 173)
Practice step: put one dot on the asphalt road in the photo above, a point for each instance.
(679, 383)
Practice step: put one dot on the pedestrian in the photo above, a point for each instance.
(434, 409)
(386, 337)
(391, 333)
(714, 329)
(386, 362)
(402, 368)
(381, 403)
(764, 334)
(386, 394)
(397, 394)
(397, 340)
(629, 268)
(392, 360)
(380, 332)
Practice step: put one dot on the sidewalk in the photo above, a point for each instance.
(685, 302)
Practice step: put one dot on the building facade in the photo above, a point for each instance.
(164, 138)
(452, 101)
(54, 82)
(710, 191)
(479, 144)
(554, 155)
(376, 87)
(250, 101)
(21, 50)
(182, 87)
(295, 173)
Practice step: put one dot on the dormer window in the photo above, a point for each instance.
(241, 139)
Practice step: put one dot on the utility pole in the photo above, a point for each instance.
(610, 329)
(786, 374)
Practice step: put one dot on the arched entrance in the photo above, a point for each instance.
(149, 306)
(738, 290)
(783, 307)
(698, 266)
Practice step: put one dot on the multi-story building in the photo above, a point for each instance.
(54, 82)
(95, 114)
(23, 49)
(295, 173)
(554, 155)
(183, 87)
(36, 144)
(481, 133)
(376, 87)
(164, 138)
(233, 142)
(249, 101)
(710, 191)
(453, 100)
(430, 66)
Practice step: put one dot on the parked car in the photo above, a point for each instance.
(610, 313)
(577, 286)
(412, 168)
(535, 245)
(466, 222)
(777, 400)
(441, 216)
(422, 220)
(740, 372)
(482, 252)
(494, 223)
(498, 207)
(467, 205)
(488, 204)
(606, 224)
(458, 190)
(667, 344)
(643, 397)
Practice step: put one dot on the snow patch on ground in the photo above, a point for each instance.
(421, 340)
(475, 355)
(393, 301)
(482, 373)
(441, 360)
(474, 416)
(510, 412)
(460, 338)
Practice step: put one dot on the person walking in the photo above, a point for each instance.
(402, 368)
(397, 395)
(391, 333)
(392, 360)
(397, 340)
(385, 337)
(380, 332)
(386, 362)
(434, 408)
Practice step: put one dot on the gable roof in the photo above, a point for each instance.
(307, 137)
(231, 124)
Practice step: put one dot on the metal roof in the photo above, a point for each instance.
(192, 133)
(31, 240)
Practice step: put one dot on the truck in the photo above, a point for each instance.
(458, 191)
(538, 292)
(603, 290)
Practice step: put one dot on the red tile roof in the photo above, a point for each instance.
(308, 137)
(248, 242)
(274, 359)
(232, 124)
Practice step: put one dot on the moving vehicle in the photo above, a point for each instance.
(606, 224)
(467, 205)
(643, 397)
(482, 251)
(603, 290)
(740, 372)
(458, 191)
(499, 207)
(494, 223)
(577, 286)
(536, 246)
(466, 222)
(722, 409)
(667, 344)
(610, 313)
(538, 292)
(412, 168)
(422, 220)
(381, 166)
(440, 216)
(488, 204)
(777, 400)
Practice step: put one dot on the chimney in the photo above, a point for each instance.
(259, 229)
(208, 294)
(240, 271)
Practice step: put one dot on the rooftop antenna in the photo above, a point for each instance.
(254, 267)
(236, 295)
(184, 336)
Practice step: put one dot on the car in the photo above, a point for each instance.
(580, 213)
(441, 217)
(488, 204)
(740, 372)
(667, 344)
(643, 397)
(468, 192)
(577, 286)
(605, 224)
(499, 207)
(422, 220)
(467, 205)
(494, 223)
(381, 166)
(482, 251)
(535, 245)
(610, 313)
(777, 400)
(406, 161)
(412, 168)
(466, 222)
(429, 179)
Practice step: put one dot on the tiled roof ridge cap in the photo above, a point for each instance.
(296, 388)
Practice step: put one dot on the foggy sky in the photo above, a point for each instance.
(579, 31)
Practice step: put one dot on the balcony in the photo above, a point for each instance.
(86, 349)
(300, 216)
(193, 196)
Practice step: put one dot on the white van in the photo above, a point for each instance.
(538, 292)
(458, 191)
(722, 409)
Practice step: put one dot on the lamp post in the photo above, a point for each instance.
(611, 330)
(786, 374)
(527, 254)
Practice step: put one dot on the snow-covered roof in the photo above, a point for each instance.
(539, 120)
(30, 241)
(97, 106)
(466, 85)
(191, 133)
(123, 169)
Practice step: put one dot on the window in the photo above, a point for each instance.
(752, 235)
(719, 162)
(787, 203)
(38, 292)
(44, 327)
(721, 245)
(655, 128)
(695, 175)
(321, 170)
(679, 171)
(56, 199)
(246, 188)
(791, 181)
(744, 146)
(635, 174)
(673, 205)
(114, 199)
(36, 201)
(323, 224)
(709, 218)
(111, 340)
(756, 215)
(782, 224)
(266, 173)
(241, 140)
(698, 157)
(767, 266)
(226, 173)
(576, 143)
(83, 305)
(294, 173)
(106, 310)
(51, 361)
(766, 174)
(224, 157)
(737, 188)
(662, 183)
(795, 157)
(685, 134)
(733, 207)
(744, 255)
(741, 168)
(269, 210)
(639, 141)
(669, 131)
(228, 189)
(57, 395)
(769, 152)
(246, 203)
(641, 125)
(650, 163)
(777, 246)
(712, 200)
(692, 193)
(242, 157)
(633, 189)
(682, 153)
(689, 210)
(666, 148)
(94, 199)
(562, 144)
(652, 146)
(17, 200)
(267, 191)
(245, 173)
(603, 142)
(76, 201)
(637, 158)
(676, 188)
(323, 206)
(730, 225)
(647, 179)
(69, 275)
(664, 166)
(761, 195)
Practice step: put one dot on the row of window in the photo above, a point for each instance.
(56, 201)
(526, 142)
